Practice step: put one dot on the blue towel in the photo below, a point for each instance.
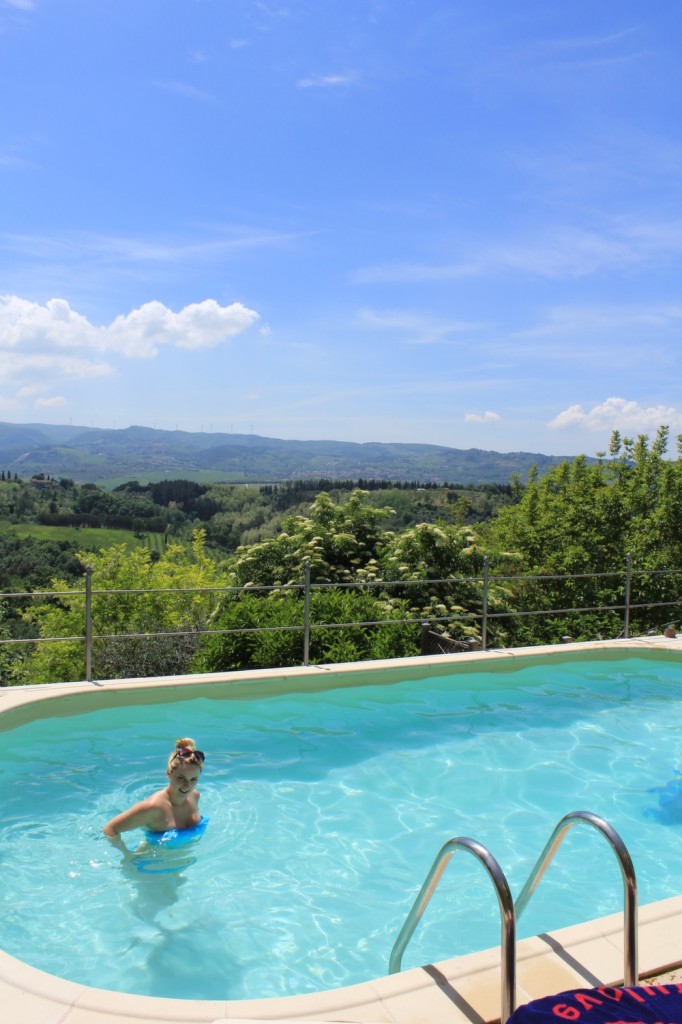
(645, 1003)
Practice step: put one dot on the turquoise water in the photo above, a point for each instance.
(326, 812)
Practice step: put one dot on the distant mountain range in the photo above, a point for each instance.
(108, 457)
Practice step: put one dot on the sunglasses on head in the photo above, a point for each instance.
(187, 754)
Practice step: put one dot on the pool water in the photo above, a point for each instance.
(326, 811)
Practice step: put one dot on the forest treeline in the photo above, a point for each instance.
(231, 514)
(402, 553)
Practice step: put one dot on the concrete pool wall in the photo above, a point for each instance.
(466, 988)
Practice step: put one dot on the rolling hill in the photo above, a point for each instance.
(90, 454)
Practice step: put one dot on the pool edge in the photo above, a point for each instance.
(462, 990)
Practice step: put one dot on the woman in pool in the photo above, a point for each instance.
(174, 807)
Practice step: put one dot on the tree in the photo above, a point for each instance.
(269, 630)
(339, 542)
(127, 607)
(585, 518)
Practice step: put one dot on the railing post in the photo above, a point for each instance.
(484, 616)
(306, 615)
(628, 584)
(425, 629)
(88, 623)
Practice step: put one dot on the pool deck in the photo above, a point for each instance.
(464, 989)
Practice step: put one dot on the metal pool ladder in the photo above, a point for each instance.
(510, 912)
(630, 968)
(507, 915)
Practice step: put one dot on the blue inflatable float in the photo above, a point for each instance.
(156, 856)
(174, 837)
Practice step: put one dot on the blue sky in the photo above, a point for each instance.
(446, 221)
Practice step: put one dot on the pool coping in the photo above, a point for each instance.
(462, 989)
(315, 677)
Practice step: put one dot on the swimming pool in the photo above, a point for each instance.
(356, 786)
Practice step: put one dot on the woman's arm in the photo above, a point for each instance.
(137, 816)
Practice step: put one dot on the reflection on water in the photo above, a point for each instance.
(669, 810)
(156, 871)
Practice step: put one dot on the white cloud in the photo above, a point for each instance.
(41, 344)
(29, 326)
(618, 414)
(22, 5)
(487, 417)
(200, 325)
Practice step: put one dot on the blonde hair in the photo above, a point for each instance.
(186, 753)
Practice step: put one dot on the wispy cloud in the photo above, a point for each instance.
(618, 414)
(76, 246)
(587, 42)
(21, 5)
(271, 8)
(604, 170)
(10, 156)
(49, 366)
(190, 92)
(329, 81)
(577, 321)
(565, 253)
(56, 402)
(422, 329)
(406, 273)
(562, 65)
(590, 50)
(486, 417)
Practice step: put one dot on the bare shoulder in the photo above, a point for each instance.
(149, 812)
(158, 799)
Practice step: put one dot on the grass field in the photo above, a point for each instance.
(199, 476)
(86, 537)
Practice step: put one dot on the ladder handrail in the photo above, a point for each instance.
(630, 967)
(507, 914)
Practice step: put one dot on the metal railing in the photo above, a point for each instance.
(569, 821)
(504, 899)
(490, 610)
